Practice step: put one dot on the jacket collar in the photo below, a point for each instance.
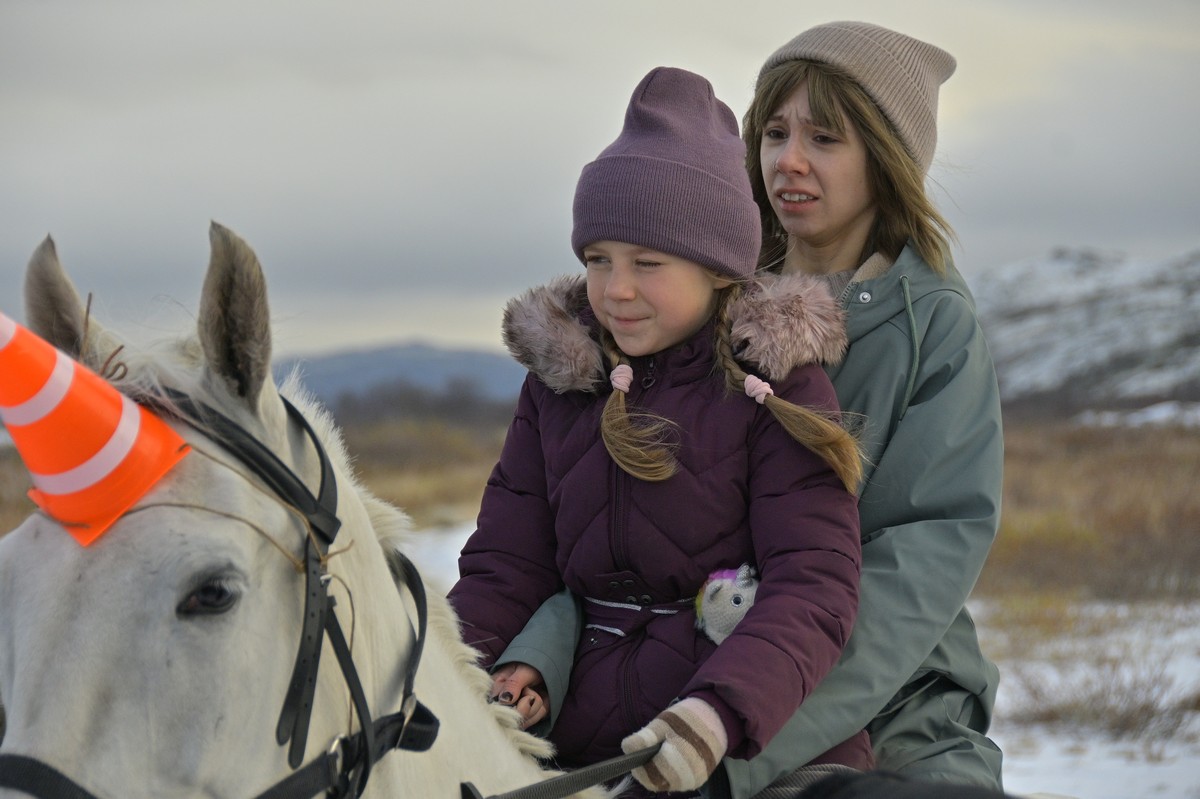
(779, 323)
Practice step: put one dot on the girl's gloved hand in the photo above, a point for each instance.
(693, 743)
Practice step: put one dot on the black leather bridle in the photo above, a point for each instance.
(343, 770)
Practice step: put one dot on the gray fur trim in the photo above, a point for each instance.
(542, 331)
(779, 323)
(785, 321)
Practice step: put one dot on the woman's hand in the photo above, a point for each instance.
(521, 686)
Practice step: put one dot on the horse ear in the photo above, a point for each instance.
(53, 309)
(234, 322)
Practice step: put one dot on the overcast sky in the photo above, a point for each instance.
(403, 168)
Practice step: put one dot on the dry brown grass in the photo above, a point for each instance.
(435, 472)
(1088, 513)
(1128, 700)
(1101, 513)
(1096, 514)
(432, 498)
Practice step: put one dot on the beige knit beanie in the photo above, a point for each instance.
(900, 73)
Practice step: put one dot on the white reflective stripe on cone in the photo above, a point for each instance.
(100, 465)
(48, 396)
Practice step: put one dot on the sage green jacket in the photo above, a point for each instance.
(920, 381)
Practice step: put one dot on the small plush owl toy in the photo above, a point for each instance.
(724, 599)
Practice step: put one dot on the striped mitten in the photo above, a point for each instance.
(693, 743)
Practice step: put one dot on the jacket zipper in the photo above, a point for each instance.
(619, 526)
(617, 523)
(649, 378)
(629, 706)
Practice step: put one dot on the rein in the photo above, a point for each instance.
(343, 770)
(573, 782)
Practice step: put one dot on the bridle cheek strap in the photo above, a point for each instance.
(320, 515)
(342, 770)
(298, 702)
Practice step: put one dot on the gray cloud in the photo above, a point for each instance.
(401, 171)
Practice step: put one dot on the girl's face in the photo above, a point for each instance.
(647, 299)
(817, 180)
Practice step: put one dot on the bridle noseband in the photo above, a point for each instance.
(342, 770)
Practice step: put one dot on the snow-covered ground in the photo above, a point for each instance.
(1161, 414)
(1139, 664)
(1080, 763)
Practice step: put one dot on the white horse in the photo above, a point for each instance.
(155, 662)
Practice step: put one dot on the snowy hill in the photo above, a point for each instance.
(1085, 330)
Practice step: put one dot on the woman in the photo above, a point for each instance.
(840, 135)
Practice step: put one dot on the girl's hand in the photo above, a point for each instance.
(521, 686)
(692, 742)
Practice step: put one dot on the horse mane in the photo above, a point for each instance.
(443, 619)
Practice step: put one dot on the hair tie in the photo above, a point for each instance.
(758, 389)
(622, 378)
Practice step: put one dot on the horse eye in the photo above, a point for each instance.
(209, 599)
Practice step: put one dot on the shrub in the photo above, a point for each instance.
(435, 471)
(1106, 513)
(1081, 667)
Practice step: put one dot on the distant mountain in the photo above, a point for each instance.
(1076, 330)
(494, 375)
(1085, 330)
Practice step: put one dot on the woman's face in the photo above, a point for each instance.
(817, 180)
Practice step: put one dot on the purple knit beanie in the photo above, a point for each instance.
(674, 180)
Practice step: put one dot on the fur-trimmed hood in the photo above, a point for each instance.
(778, 323)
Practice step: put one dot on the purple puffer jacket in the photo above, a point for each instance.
(557, 511)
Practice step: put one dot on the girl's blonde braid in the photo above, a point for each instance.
(638, 442)
(815, 430)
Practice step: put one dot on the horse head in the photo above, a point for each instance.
(160, 659)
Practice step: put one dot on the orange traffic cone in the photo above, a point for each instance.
(92, 452)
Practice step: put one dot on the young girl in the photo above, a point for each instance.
(676, 421)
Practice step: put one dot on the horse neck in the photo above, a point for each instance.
(478, 742)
